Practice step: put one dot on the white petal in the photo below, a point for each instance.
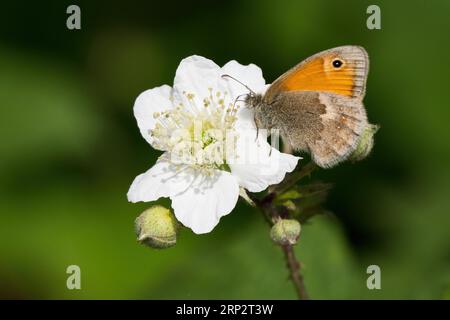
(196, 75)
(149, 102)
(245, 120)
(257, 164)
(206, 200)
(250, 75)
(162, 180)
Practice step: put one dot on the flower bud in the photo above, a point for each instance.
(285, 231)
(365, 143)
(290, 205)
(157, 227)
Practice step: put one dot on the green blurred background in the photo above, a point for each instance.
(70, 149)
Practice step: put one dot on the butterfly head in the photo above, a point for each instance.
(253, 100)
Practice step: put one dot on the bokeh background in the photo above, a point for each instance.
(70, 149)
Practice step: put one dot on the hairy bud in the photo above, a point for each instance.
(157, 227)
(285, 231)
(365, 144)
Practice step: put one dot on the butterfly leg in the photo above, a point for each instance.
(257, 128)
(287, 148)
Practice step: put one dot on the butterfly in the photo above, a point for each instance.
(318, 105)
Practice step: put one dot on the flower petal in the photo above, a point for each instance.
(246, 121)
(257, 164)
(149, 102)
(196, 75)
(162, 180)
(250, 75)
(209, 198)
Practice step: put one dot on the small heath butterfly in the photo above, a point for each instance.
(317, 105)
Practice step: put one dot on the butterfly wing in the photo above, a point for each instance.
(318, 104)
(326, 125)
(342, 70)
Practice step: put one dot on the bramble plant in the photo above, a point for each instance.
(214, 154)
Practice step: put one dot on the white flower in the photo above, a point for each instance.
(210, 144)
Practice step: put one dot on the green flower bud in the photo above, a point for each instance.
(157, 227)
(290, 205)
(365, 144)
(285, 231)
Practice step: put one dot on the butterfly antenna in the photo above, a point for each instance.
(228, 76)
(238, 99)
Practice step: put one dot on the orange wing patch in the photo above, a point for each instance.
(341, 71)
(319, 75)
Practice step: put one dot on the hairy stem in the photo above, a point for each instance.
(294, 267)
(272, 215)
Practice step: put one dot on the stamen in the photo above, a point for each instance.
(202, 140)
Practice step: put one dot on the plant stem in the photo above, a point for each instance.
(272, 215)
(294, 267)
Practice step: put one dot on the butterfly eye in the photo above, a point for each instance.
(337, 63)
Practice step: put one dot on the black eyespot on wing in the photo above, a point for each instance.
(337, 63)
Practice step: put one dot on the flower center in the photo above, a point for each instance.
(198, 135)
